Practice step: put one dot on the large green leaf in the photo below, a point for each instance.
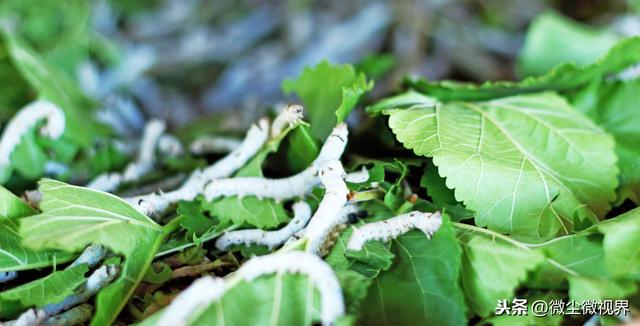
(325, 89)
(280, 299)
(565, 76)
(495, 265)
(528, 165)
(621, 239)
(570, 41)
(73, 217)
(614, 106)
(421, 288)
(50, 289)
(492, 270)
(13, 255)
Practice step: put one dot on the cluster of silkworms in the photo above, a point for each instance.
(285, 188)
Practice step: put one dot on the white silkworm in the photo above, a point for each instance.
(146, 155)
(107, 182)
(27, 118)
(214, 144)
(358, 176)
(96, 281)
(271, 239)
(391, 228)
(295, 186)
(170, 145)
(200, 293)
(629, 74)
(8, 276)
(327, 216)
(319, 272)
(207, 290)
(288, 117)
(55, 168)
(343, 218)
(91, 256)
(255, 138)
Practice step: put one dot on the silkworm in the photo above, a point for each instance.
(100, 278)
(200, 293)
(91, 256)
(391, 228)
(146, 155)
(629, 74)
(294, 186)
(109, 182)
(271, 239)
(328, 214)
(214, 144)
(255, 138)
(288, 117)
(319, 272)
(170, 145)
(27, 118)
(8, 276)
(358, 176)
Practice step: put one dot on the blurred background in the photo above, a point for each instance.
(214, 67)
(182, 59)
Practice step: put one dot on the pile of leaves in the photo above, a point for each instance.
(537, 181)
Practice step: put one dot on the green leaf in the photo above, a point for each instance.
(492, 270)
(565, 76)
(159, 277)
(528, 165)
(28, 158)
(73, 217)
(253, 168)
(193, 220)
(373, 258)
(13, 255)
(570, 41)
(301, 149)
(328, 88)
(575, 255)
(621, 238)
(422, 286)
(264, 214)
(50, 289)
(12, 207)
(436, 187)
(280, 299)
(614, 106)
(582, 288)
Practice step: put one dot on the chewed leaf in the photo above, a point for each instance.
(528, 165)
(73, 217)
(13, 255)
(426, 274)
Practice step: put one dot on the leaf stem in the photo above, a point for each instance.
(518, 244)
